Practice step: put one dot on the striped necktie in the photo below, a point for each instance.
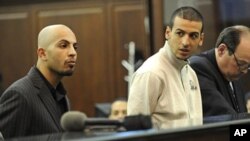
(233, 97)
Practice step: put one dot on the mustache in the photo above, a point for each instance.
(184, 49)
(71, 61)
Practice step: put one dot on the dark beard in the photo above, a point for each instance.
(62, 73)
(67, 73)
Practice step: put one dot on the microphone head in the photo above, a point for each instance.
(73, 121)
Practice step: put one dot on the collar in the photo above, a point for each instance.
(210, 54)
(177, 63)
(58, 93)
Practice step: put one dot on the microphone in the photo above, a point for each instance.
(78, 121)
(73, 121)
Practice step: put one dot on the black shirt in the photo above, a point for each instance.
(58, 93)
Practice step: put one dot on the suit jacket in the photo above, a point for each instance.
(216, 96)
(1, 137)
(27, 107)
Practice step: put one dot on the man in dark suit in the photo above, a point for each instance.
(34, 104)
(219, 69)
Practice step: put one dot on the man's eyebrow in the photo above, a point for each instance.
(75, 44)
(180, 29)
(68, 42)
(64, 40)
(195, 32)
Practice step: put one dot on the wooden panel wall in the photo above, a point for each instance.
(127, 17)
(157, 25)
(15, 52)
(102, 28)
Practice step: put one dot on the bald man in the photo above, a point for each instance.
(118, 109)
(219, 69)
(34, 104)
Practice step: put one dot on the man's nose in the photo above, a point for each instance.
(72, 51)
(186, 41)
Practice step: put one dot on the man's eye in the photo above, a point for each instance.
(75, 47)
(180, 34)
(116, 113)
(63, 45)
(194, 36)
(124, 112)
(245, 65)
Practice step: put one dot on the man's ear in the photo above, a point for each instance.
(201, 39)
(222, 48)
(41, 53)
(167, 32)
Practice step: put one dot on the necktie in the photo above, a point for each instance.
(233, 97)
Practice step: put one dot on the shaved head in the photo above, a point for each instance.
(56, 52)
(48, 34)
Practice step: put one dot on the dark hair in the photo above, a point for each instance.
(188, 13)
(231, 37)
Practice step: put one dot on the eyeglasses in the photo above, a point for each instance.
(241, 66)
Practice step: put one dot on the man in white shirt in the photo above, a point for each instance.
(165, 86)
